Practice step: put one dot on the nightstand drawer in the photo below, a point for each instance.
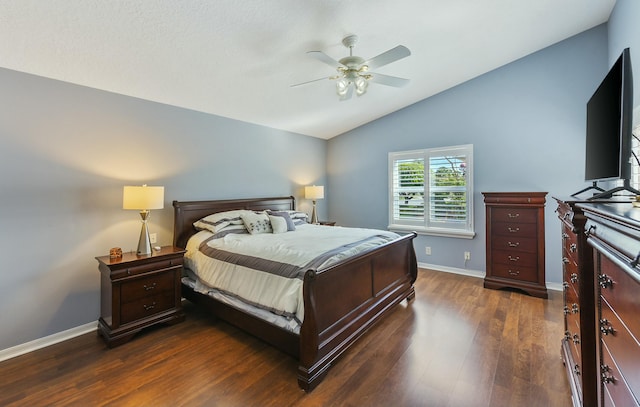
(147, 286)
(147, 306)
(144, 268)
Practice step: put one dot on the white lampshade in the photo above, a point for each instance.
(314, 192)
(142, 197)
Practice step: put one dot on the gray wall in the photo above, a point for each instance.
(66, 151)
(624, 31)
(526, 121)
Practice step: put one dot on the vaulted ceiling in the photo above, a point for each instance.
(238, 58)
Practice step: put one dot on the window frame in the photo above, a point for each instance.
(426, 225)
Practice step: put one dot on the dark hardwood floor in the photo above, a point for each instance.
(456, 344)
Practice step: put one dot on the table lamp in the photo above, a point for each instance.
(143, 198)
(314, 193)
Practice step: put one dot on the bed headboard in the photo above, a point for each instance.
(186, 213)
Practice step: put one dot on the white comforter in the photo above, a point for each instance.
(269, 272)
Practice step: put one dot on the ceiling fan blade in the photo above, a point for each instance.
(322, 57)
(311, 81)
(388, 80)
(348, 95)
(388, 57)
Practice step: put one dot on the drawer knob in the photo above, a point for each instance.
(576, 370)
(514, 273)
(635, 261)
(576, 339)
(565, 236)
(590, 231)
(574, 278)
(565, 260)
(605, 281)
(574, 308)
(149, 287)
(513, 230)
(149, 307)
(606, 376)
(573, 247)
(511, 244)
(511, 258)
(565, 310)
(513, 215)
(565, 285)
(606, 328)
(567, 335)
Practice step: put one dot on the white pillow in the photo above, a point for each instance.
(278, 224)
(218, 221)
(256, 222)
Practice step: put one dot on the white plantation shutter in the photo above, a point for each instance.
(407, 179)
(431, 191)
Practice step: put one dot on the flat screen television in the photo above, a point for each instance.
(609, 126)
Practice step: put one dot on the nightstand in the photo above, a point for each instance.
(139, 291)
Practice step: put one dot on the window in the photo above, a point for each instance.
(430, 191)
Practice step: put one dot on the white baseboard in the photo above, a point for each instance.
(477, 273)
(46, 341)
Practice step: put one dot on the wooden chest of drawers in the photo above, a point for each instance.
(515, 241)
(614, 232)
(578, 346)
(139, 291)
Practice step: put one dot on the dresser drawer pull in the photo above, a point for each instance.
(606, 376)
(513, 215)
(567, 335)
(565, 236)
(516, 244)
(576, 339)
(576, 370)
(605, 281)
(512, 230)
(574, 278)
(149, 287)
(606, 328)
(514, 258)
(573, 247)
(149, 307)
(565, 260)
(565, 285)
(566, 312)
(514, 273)
(590, 231)
(574, 308)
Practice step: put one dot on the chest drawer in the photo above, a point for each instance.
(613, 384)
(147, 286)
(514, 215)
(514, 229)
(515, 272)
(620, 290)
(515, 244)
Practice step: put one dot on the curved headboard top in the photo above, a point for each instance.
(188, 212)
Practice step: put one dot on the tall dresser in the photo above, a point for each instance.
(613, 230)
(579, 342)
(515, 241)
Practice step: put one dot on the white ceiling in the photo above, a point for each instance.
(238, 58)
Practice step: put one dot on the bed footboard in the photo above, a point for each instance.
(343, 301)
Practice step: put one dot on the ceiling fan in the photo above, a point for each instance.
(354, 72)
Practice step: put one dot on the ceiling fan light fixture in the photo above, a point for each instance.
(361, 85)
(342, 86)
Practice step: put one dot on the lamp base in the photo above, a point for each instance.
(144, 243)
(314, 215)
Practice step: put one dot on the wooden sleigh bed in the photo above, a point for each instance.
(341, 301)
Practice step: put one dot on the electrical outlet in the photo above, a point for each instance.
(427, 250)
(153, 238)
(467, 255)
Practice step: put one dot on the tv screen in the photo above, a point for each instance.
(609, 119)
